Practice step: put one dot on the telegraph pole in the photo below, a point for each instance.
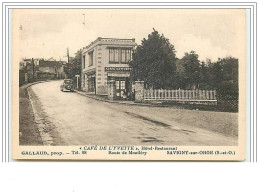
(84, 20)
(33, 69)
(84, 28)
(68, 55)
(81, 64)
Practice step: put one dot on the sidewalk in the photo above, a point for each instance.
(151, 104)
(105, 99)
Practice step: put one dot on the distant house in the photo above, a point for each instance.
(27, 62)
(28, 69)
(54, 68)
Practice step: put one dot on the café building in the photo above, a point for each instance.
(107, 59)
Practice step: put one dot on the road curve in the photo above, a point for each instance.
(78, 120)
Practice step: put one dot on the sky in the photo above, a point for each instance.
(211, 33)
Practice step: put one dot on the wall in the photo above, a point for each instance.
(101, 75)
(101, 60)
(46, 69)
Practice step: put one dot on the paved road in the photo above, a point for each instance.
(78, 120)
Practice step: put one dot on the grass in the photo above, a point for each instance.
(28, 132)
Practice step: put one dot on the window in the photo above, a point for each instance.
(122, 85)
(83, 62)
(125, 55)
(128, 55)
(117, 84)
(111, 55)
(68, 81)
(116, 58)
(114, 55)
(91, 58)
(119, 55)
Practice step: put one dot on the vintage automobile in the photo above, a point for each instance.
(67, 85)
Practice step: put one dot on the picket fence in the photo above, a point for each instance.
(180, 95)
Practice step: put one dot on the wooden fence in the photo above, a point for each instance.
(180, 95)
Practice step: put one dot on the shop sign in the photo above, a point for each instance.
(118, 68)
(118, 74)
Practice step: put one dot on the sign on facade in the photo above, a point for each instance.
(118, 68)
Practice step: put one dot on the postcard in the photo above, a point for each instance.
(129, 84)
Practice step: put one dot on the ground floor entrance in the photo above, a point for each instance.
(121, 87)
(91, 84)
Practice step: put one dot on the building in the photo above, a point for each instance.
(28, 69)
(27, 62)
(51, 68)
(107, 59)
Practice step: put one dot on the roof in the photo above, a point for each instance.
(107, 41)
(50, 63)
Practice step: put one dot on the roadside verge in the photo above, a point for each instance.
(33, 127)
(28, 130)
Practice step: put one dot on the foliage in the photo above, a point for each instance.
(154, 62)
(221, 75)
(191, 65)
(224, 74)
(205, 77)
(188, 71)
(74, 66)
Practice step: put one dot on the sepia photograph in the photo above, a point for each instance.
(129, 84)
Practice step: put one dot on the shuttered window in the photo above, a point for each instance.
(119, 55)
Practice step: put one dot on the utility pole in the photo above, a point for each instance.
(81, 75)
(68, 66)
(68, 55)
(32, 62)
(84, 29)
(84, 20)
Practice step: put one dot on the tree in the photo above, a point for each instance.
(205, 77)
(74, 66)
(154, 62)
(191, 64)
(180, 75)
(224, 74)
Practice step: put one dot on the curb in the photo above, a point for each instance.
(138, 104)
(34, 83)
(118, 102)
(45, 137)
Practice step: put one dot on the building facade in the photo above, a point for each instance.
(104, 60)
(55, 68)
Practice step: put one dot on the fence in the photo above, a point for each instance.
(180, 95)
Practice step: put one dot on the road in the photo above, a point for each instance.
(74, 119)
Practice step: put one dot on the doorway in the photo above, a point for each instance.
(120, 86)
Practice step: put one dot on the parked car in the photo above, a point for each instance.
(67, 85)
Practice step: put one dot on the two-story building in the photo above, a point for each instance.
(55, 68)
(107, 59)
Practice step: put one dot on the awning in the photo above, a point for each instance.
(111, 74)
(90, 75)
